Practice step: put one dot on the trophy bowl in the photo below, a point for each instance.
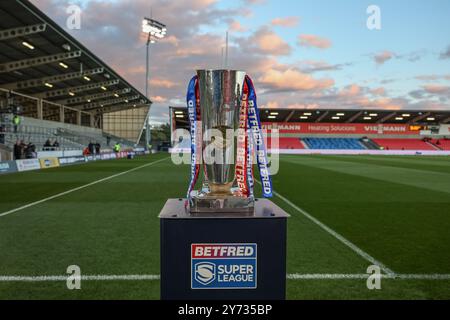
(220, 93)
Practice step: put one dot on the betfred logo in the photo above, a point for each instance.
(223, 266)
(222, 251)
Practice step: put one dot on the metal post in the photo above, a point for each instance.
(147, 126)
(78, 117)
(39, 109)
(61, 114)
(92, 120)
(146, 67)
(226, 51)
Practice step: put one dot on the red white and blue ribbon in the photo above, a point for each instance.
(191, 99)
(258, 140)
(241, 168)
(251, 179)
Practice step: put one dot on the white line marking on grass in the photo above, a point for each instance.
(292, 276)
(319, 276)
(349, 244)
(98, 277)
(436, 276)
(78, 188)
(343, 276)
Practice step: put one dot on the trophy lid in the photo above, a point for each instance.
(212, 70)
(220, 73)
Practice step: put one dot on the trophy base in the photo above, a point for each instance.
(203, 203)
(234, 277)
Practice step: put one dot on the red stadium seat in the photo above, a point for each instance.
(287, 143)
(404, 144)
(443, 144)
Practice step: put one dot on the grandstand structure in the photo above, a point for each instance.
(298, 131)
(59, 88)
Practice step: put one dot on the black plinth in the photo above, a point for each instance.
(223, 256)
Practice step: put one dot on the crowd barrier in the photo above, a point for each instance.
(53, 162)
(363, 152)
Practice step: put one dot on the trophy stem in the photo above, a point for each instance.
(221, 189)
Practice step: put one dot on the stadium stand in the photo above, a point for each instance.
(331, 131)
(59, 88)
(404, 144)
(287, 143)
(442, 144)
(334, 143)
(68, 136)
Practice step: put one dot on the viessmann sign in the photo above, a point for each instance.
(337, 128)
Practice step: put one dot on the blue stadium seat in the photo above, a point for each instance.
(334, 143)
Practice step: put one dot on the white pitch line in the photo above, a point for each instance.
(343, 276)
(98, 277)
(155, 277)
(436, 276)
(349, 244)
(78, 188)
(320, 276)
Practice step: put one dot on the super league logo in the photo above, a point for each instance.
(205, 272)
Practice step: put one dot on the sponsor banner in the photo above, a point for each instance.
(122, 154)
(107, 156)
(93, 157)
(444, 130)
(49, 163)
(339, 128)
(223, 265)
(71, 160)
(28, 164)
(8, 166)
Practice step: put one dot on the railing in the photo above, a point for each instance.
(35, 134)
(44, 110)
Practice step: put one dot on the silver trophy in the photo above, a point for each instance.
(220, 100)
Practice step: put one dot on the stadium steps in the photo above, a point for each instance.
(38, 136)
(83, 139)
(442, 144)
(369, 144)
(433, 145)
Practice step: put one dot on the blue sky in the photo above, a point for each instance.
(407, 27)
(301, 54)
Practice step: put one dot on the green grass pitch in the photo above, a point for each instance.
(394, 209)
